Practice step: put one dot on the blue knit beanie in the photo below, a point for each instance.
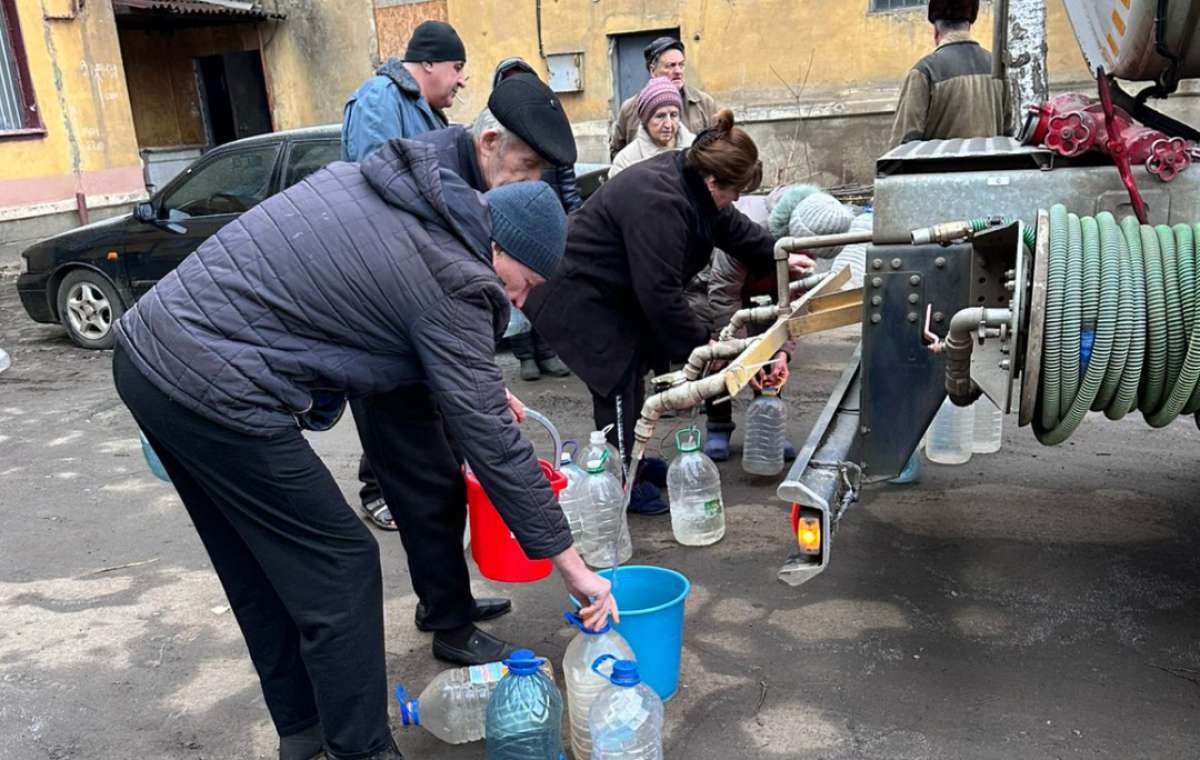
(529, 224)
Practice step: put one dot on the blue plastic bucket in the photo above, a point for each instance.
(651, 603)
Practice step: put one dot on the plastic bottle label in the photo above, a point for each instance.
(712, 508)
(489, 673)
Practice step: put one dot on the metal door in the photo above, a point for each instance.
(247, 93)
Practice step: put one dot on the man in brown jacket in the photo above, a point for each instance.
(664, 58)
(950, 92)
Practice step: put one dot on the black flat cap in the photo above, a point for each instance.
(953, 10)
(434, 42)
(525, 105)
(660, 46)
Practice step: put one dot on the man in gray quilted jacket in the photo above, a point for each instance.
(362, 279)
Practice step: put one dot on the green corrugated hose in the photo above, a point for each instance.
(1121, 323)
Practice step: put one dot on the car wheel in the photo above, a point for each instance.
(89, 306)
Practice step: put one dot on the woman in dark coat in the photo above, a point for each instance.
(617, 304)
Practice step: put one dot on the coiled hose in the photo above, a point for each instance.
(1120, 323)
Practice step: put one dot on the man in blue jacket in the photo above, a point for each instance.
(406, 98)
(385, 277)
(402, 100)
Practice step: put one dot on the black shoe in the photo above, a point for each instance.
(391, 753)
(485, 609)
(477, 646)
(530, 371)
(554, 367)
(654, 470)
(308, 744)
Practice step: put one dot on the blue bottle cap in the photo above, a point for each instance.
(523, 662)
(625, 673)
(577, 621)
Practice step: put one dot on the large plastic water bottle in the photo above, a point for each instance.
(573, 499)
(524, 717)
(584, 684)
(989, 427)
(454, 705)
(951, 436)
(766, 434)
(627, 716)
(694, 486)
(604, 518)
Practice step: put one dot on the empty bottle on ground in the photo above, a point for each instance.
(951, 436)
(583, 683)
(766, 434)
(573, 499)
(605, 524)
(989, 427)
(627, 716)
(524, 717)
(454, 705)
(694, 486)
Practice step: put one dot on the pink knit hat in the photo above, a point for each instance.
(658, 92)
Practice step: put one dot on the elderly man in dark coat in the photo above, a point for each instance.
(390, 275)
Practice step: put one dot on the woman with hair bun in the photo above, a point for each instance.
(616, 304)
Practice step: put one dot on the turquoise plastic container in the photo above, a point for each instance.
(651, 603)
(152, 460)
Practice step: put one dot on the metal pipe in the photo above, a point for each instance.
(755, 315)
(683, 396)
(999, 39)
(960, 341)
(807, 283)
(702, 355)
(787, 245)
(783, 273)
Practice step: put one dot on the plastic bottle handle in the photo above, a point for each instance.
(599, 661)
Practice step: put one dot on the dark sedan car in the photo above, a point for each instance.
(87, 277)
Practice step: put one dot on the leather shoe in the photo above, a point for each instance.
(480, 647)
(391, 753)
(485, 609)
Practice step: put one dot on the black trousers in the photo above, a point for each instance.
(300, 569)
(424, 488)
(529, 345)
(632, 392)
(370, 490)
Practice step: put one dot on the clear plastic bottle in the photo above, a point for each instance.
(453, 706)
(584, 684)
(989, 427)
(951, 435)
(600, 448)
(524, 717)
(766, 434)
(604, 518)
(573, 499)
(694, 485)
(627, 716)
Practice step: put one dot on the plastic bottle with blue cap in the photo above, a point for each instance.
(627, 717)
(453, 707)
(524, 716)
(583, 683)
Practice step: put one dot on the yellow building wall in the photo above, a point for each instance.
(745, 54)
(79, 82)
(317, 58)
